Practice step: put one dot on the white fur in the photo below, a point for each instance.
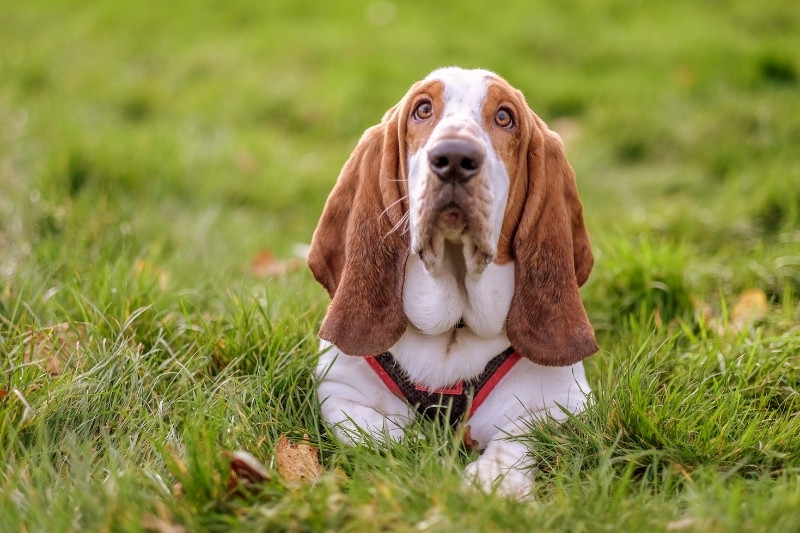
(430, 351)
(435, 354)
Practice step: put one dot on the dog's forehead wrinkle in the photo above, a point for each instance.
(465, 92)
(457, 73)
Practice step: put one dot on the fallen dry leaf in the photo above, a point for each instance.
(298, 462)
(3, 393)
(51, 347)
(246, 468)
(470, 443)
(153, 523)
(264, 265)
(751, 307)
(681, 524)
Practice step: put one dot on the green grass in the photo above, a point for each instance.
(148, 153)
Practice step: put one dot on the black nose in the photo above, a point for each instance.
(455, 160)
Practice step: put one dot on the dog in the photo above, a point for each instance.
(453, 246)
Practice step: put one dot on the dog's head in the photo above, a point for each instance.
(460, 159)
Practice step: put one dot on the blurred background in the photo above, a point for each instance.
(196, 142)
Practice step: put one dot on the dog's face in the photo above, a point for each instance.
(461, 159)
(463, 137)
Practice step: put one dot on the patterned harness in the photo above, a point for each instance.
(450, 403)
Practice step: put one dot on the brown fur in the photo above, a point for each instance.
(359, 248)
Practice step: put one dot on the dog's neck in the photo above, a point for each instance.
(433, 350)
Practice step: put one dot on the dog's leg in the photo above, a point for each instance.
(529, 393)
(504, 467)
(354, 401)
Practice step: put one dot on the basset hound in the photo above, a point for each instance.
(452, 247)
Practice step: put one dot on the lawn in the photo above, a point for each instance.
(161, 165)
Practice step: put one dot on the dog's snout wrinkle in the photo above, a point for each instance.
(456, 160)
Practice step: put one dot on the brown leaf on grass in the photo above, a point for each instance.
(50, 348)
(681, 524)
(159, 525)
(751, 307)
(264, 265)
(470, 443)
(298, 462)
(245, 468)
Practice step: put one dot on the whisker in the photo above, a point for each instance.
(392, 205)
(406, 225)
(403, 222)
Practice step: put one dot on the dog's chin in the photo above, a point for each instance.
(452, 228)
(451, 223)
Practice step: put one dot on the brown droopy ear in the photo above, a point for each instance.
(359, 250)
(547, 321)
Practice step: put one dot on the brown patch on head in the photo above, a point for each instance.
(417, 131)
(511, 146)
(505, 141)
(403, 137)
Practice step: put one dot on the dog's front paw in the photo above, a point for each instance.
(382, 431)
(493, 476)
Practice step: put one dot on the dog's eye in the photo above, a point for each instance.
(504, 118)
(424, 110)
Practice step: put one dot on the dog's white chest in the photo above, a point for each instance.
(432, 351)
(434, 304)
